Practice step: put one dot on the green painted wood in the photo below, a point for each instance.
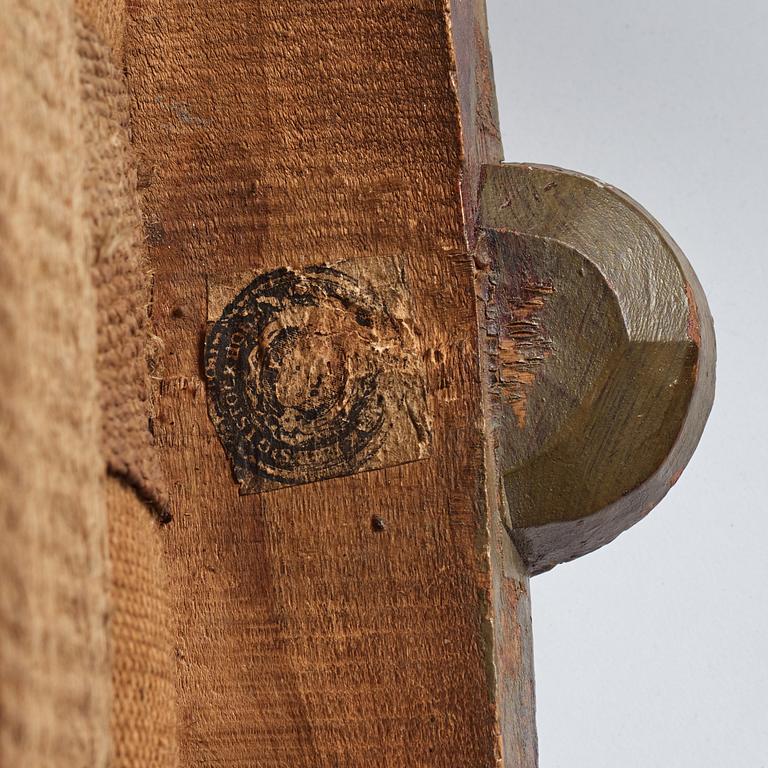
(601, 355)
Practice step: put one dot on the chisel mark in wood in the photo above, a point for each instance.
(523, 346)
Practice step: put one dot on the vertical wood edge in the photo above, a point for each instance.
(509, 634)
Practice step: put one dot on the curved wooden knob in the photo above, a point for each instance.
(602, 358)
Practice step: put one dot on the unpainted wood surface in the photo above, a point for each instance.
(346, 622)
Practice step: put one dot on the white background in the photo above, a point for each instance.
(652, 652)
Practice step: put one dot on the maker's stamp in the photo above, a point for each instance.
(315, 373)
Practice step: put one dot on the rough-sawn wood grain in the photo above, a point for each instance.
(347, 622)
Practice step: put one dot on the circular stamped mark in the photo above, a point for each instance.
(297, 379)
